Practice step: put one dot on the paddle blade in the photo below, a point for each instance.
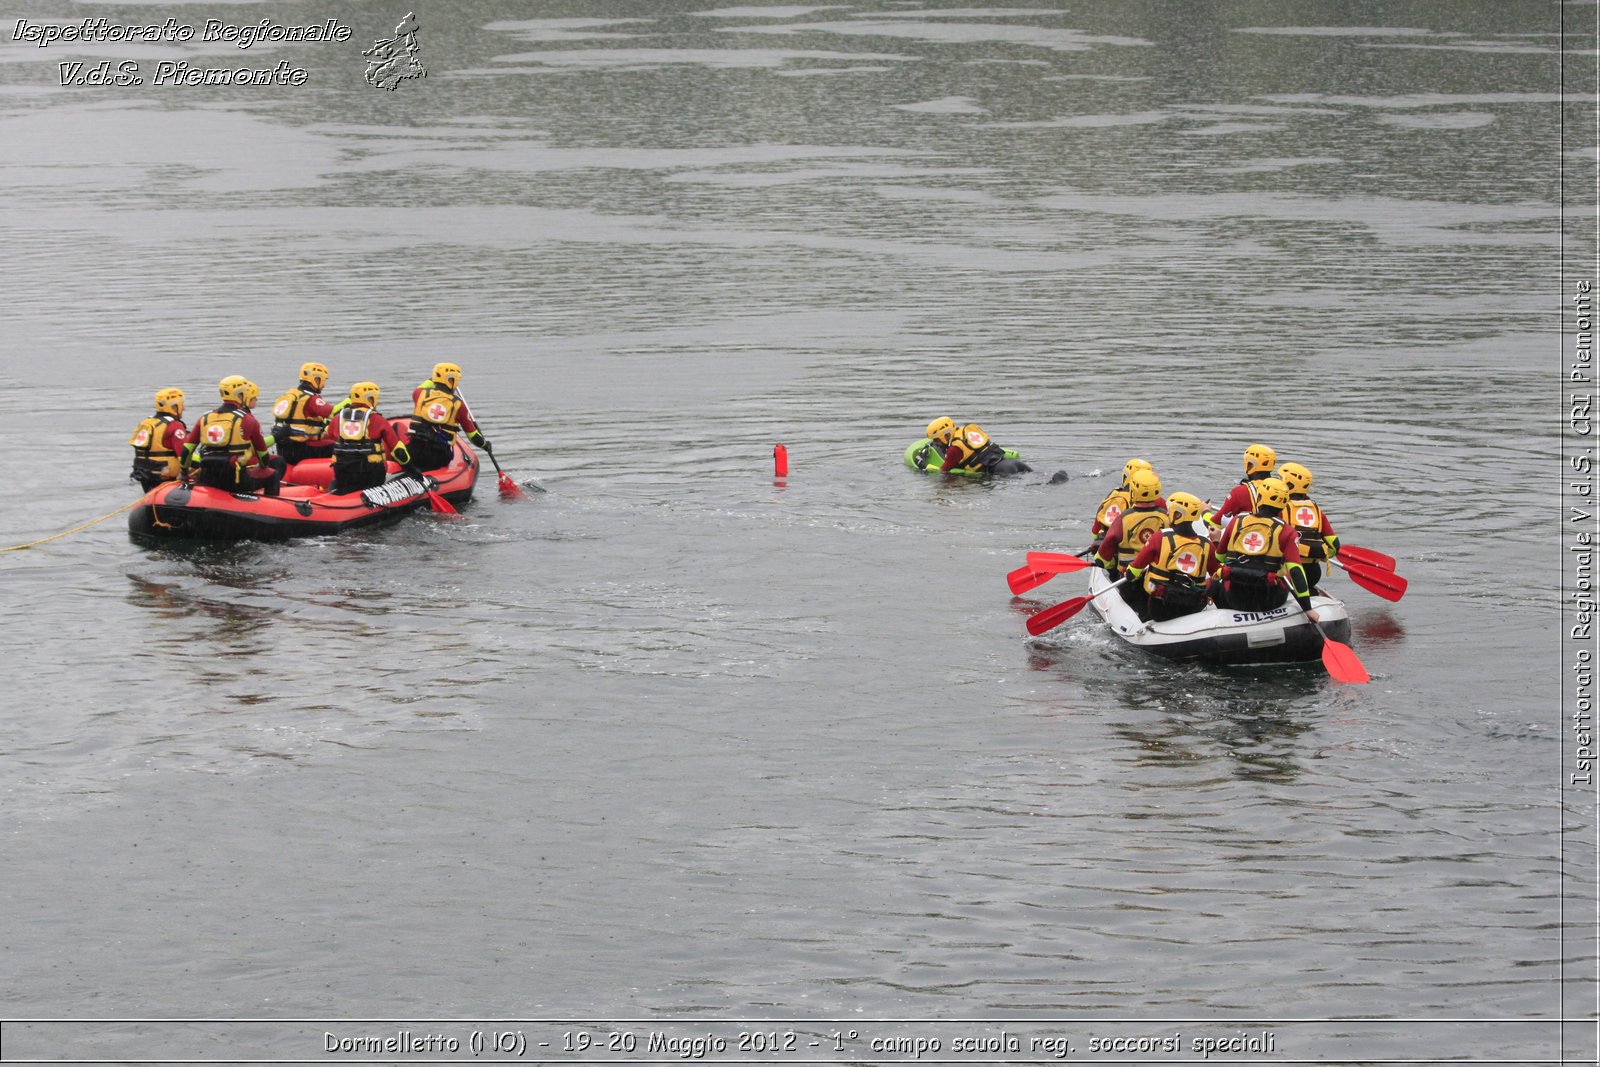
(1367, 557)
(1342, 662)
(440, 504)
(1051, 617)
(1386, 584)
(509, 488)
(1056, 562)
(1025, 578)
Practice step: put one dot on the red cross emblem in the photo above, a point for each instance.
(1112, 513)
(1254, 542)
(437, 412)
(1304, 516)
(1188, 563)
(215, 433)
(143, 437)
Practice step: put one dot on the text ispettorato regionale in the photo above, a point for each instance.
(101, 30)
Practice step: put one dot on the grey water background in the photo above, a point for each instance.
(673, 739)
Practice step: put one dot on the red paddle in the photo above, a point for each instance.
(1025, 578)
(1040, 568)
(1367, 557)
(1051, 617)
(1059, 562)
(509, 489)
(1386, 584)
(1340, 659)
(508, 486)
(438, 503)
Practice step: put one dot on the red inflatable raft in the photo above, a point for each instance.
(303, 508)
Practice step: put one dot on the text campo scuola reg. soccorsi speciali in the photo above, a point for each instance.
(245, 35)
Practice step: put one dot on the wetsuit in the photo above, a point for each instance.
(438, 415)
(157, 442)
(1127, 536)
(231, 453)
(1259, 552)
(972, 450)
(361, 441)
(302, 419)
(1317, 539)
(1174, 566)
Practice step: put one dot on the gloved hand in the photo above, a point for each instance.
(477, 438)
(401, 454)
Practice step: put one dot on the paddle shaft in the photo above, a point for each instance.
(508, 485)
(496, 463)
(1060, 562)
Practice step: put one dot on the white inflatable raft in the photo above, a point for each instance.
(1215, 635)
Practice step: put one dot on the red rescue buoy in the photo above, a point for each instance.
(780, 461)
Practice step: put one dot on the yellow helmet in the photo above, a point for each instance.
(1184, 507)
(365, 394)
(1259, 458)
(1144, 486)
(1295, 478)
(942, 429)
(447, 374)
(315, 373)
(170, 401)
(1272, 493)
(239, 389)
(1135, 464)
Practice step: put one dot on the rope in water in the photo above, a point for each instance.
(75, 529)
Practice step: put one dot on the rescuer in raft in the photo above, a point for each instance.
(1115, 502)
(1317, 539)
(1260, 557)
(361, 440)
(969, 448)
(1175, 565)
(1258, 463)
(1131, 530)
(439, 414)
(158, 440)
(302, 417)
(227, 447)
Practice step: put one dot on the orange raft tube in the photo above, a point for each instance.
(303, 508)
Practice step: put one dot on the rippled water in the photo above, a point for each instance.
(674, 739)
